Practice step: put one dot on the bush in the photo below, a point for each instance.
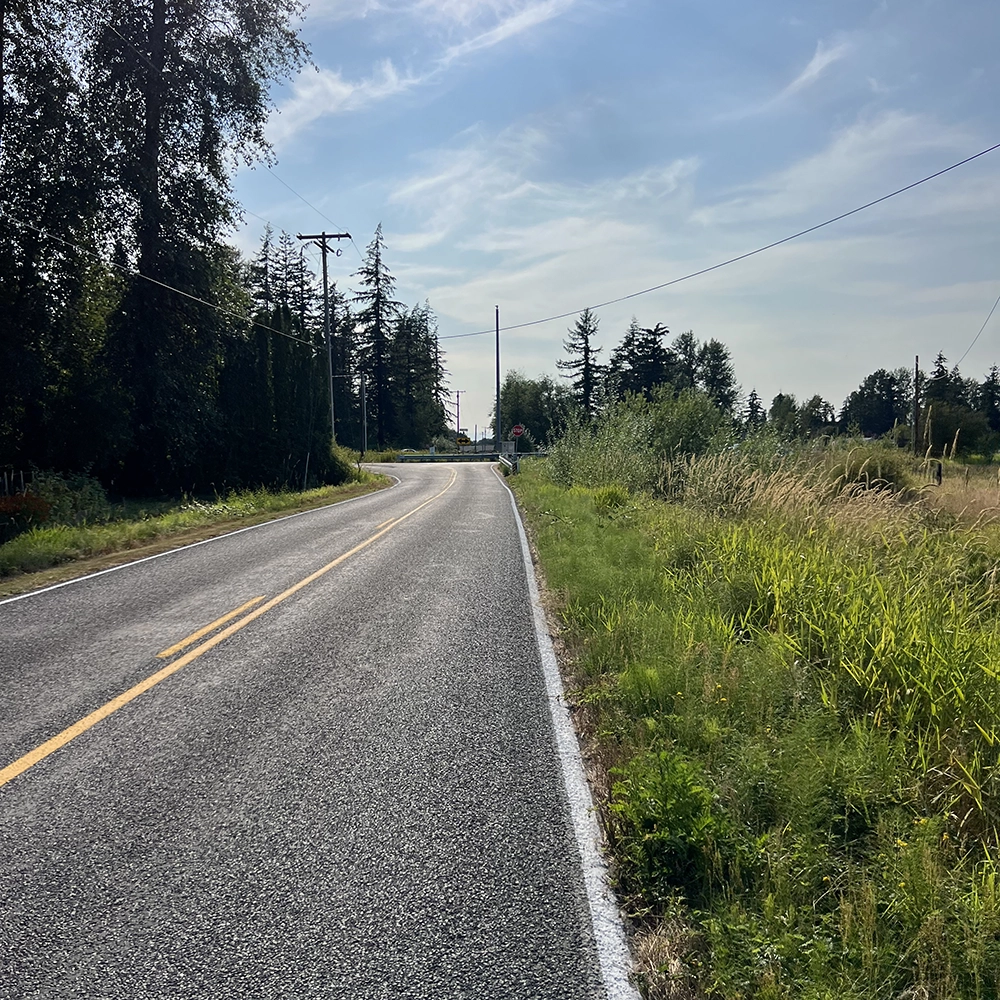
(616, 449)
(443, 445)
(72, 499)
(611, 498)
(637, 439)
(667, 827)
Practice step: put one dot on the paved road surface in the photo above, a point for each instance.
(354, 795)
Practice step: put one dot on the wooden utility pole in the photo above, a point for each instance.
(320, 240)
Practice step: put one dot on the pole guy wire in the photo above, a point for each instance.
(978, 335)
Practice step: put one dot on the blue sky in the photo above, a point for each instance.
(544, 155)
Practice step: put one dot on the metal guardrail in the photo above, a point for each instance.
(509, 467)
(480, 457)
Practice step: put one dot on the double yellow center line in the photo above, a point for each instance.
(50, 746)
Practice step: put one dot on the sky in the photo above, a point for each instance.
(547, 155)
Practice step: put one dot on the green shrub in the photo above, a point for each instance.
(615, 450)
(72, 498)
(611, 498)
(667, 829)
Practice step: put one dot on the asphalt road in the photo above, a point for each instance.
(354, 794)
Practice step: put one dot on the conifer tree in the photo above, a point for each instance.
(178, 93)
(687, 353)
(654, 361)
(640, 362)
(583, 367)
(54, 301)
(715, 375)
(374, 320)
(754, 414)
(417, 378)
(989, 398)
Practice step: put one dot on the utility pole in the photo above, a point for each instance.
(458, 412)
(916, 405)
(320, 240)
(497, 427)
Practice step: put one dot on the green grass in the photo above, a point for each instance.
(139, 524)
(791, 674)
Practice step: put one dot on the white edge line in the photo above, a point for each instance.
(609, 932)
(192, 545)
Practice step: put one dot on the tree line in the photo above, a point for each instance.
(644, 364)
(135, 341)
(955, 414)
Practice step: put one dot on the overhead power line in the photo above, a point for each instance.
(313, 207)
(154, 281)
(978, 335)
(734, 260)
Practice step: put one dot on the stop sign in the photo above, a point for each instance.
(517, 430)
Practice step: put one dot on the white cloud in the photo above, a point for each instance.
(824, 57)
(326, 92)
(523, 19)
(478, 178)
(340, 10)
(471, 192)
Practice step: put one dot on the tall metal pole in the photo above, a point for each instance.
(916, 405)
(320, 240)
(498, 424)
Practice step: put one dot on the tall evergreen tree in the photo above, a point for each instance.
(582, 366)
(943, 385)
(816, 416)
(879, 403)
(784, 414)
(375, 317)
(654, 360)
(623, 373)
(53, 301)
(715, 375)
(989, 398)
(178, 93)
(687, 353)
(754, 414)
(347, 369)
(640, 362)
(417, 378)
